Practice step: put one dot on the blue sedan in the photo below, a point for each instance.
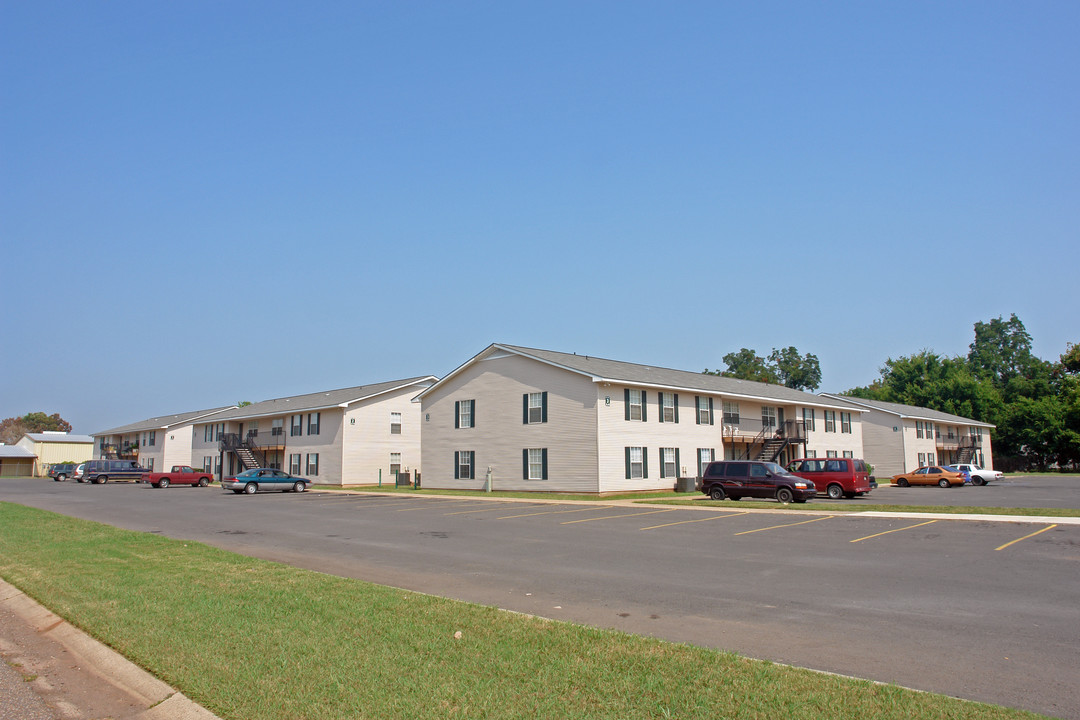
(252, 481)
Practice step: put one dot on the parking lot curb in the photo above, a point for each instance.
(158, 700)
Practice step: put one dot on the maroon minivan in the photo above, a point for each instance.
(834, 477)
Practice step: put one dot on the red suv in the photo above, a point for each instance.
(834, 477)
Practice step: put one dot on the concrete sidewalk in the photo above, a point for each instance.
(71, 675)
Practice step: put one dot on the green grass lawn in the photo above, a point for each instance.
(254, 639)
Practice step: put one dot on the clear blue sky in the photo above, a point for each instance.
(206, 202)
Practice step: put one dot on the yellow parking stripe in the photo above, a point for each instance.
(1048, 527)
(683, 522)
(433, 502)
(774, 527)
(555, 512)
(487, 509)
(613, 517)
(894, 530)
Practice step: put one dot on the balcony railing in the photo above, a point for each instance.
(756, 428)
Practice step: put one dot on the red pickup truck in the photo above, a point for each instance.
(180, 475)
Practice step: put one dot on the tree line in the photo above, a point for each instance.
(1034, 403)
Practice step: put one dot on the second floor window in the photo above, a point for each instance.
(296, 427)
(153, 437)
(534, 406)
(277, 427)
(465, 414)
(731, 413)
(768, 416)
(395, 423)
(669, 407)
(635, 405)
(830, 421)
(845, 422)
(313, 423)
(704, 410)
(808, 418)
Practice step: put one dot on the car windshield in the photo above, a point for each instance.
(775, 469)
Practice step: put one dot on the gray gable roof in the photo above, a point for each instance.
(909, 411)
(601, 370)
(163, 422)
(15, 452)
(319, 400)
(59, 438)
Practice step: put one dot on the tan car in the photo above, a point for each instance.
(933, 475)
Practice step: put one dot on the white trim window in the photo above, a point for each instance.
(395, 423)
(207, 463)
(704, 410)
(731, 413)
(294, 463)
(464, 462)
(811, 453)
(930, 459)
(395, 464)
(536, 415)
(313, 423)
(922, 459)
(669, 462)
(830, 421)
(636, 404)
(296, 428)
(668, 408)
(465, 414)
(830, 453)
(277, 427)
(809, 419)
(845, 422)
(849, 454)
(705, 456)
(768, 416)
(635, 463)
(313, 464)
(536, 464)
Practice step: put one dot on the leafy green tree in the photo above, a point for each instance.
(799, 372)
(1001, 351)
(747, 365)
(12, 429)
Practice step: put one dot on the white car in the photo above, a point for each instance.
(979, 476)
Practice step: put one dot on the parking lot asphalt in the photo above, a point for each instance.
(972, 608)
(1022, 491)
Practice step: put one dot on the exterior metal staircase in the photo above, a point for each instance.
(249, 455)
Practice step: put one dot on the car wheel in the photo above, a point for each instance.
(299, 486)
(976, 480)
(944, 482)
(716, 492)
(902, 482)
(250, 488)
(102, 480)
(204, 481)
(835, 491)
(163, 483)
(61, 477)
(784, 495)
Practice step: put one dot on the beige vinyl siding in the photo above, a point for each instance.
(367, 441)
(499, 436)
(840, 442)
(177, 450)
(883, 447)
(615, 433)
(328, 444)
(201, 448)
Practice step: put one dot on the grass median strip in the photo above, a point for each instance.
(254, 639)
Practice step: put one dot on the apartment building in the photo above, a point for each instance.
(156, 443)
(902, 438)
(350, 436)
(541, 420)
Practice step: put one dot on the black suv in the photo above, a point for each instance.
(746, 478)
(61, 471)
